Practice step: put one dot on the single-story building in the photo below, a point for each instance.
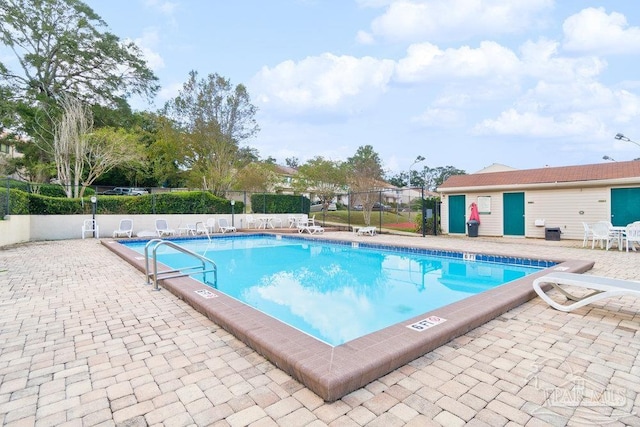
(534, 202)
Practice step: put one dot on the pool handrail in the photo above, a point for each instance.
(179, 272)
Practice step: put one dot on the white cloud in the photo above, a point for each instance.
(147, 44)
(164, 7)
(426, 61)
(592, 30)
(374, 3)
(326, 82)
(530, 124)
(364, 38)
(583, 109)
(410, 20)
(440, 118)
(541, 60)
(169, 91)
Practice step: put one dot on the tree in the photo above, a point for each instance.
(364, 177)
(82, 155)
(212, 117)
(255, 177)
(433, 178)
(292, 162)
(247, 155)
(325, 178)
(398, 180)
(70, 144)
(61, 48)
(108, 148)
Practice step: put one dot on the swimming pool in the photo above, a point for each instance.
(337, 292)
(334, 371)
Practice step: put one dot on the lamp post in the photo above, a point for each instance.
(94, 203)
(621, 137)
(233, 203)
(416, 161)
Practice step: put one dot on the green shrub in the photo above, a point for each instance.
(18, 203)
(45, 205)
(428, 225)
(279, 203)
(191, 202)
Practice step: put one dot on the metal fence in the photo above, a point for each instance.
(410, 210)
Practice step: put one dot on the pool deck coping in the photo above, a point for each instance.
(332, 372)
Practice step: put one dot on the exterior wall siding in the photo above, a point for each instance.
(565, 209)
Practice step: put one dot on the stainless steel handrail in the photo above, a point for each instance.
(179, 272)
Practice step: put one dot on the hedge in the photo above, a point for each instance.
(188, 202)
(279, 203)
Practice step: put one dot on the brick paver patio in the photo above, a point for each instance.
(84, 343)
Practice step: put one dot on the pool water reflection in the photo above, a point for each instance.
(337, 293)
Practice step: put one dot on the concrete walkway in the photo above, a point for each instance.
(84, 343)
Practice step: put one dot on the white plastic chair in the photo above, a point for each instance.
(211, 225)
(201, 228)
(276, 221)
(224, 226)
(632, 235)
(587, 234)
(251, 221)
(124, 229)
(90, 226)
(162, 228)
(601, 231)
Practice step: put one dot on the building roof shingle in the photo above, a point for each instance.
(563, 174)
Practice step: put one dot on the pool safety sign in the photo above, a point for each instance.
(427, 323)
(205, 293)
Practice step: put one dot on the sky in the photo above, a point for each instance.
(463, 83)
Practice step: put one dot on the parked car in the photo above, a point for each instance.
(137, 191)
(118, 191)
(125, 191)
(358, 208)
(380, 207)
(319, 206)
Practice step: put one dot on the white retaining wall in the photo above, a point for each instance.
(26, 228)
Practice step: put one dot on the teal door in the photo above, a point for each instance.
(457, 219)
(625, 206)
(513, 215)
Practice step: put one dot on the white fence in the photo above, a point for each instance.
(27, 228)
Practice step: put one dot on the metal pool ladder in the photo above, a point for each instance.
(205, 266)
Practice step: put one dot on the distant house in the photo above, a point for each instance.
(523, 203)
(7, 152)
(286, 176)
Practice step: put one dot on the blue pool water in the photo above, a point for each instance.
(336, 292)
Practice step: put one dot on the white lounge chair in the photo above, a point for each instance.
(368, 230)
(224, 226)
(90, 226)
(602, 287)
(125, 228)
(309, 225)
(162, 228)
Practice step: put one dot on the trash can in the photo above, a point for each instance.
(472, 227)
(552, 233)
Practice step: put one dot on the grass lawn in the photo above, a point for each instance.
(396, 221)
